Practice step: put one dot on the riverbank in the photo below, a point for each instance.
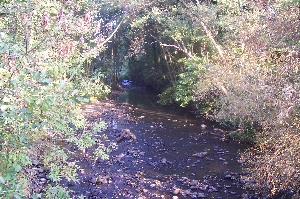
(171, 157)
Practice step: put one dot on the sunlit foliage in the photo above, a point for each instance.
(238, 63)
(43, 47)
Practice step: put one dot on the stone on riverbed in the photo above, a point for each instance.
(176, 191)
(212, 189)
(200, 154)
(163, 161)
(126, 135)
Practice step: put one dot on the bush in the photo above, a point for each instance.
(41, 56)
(259, 86)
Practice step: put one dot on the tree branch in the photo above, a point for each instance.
(208, 32)
(182, 49)
(210, 36)
(170, 45)
(168, 67)
(112, 34)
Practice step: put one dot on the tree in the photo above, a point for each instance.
(258, 85)
(239, 59)
(43, 47)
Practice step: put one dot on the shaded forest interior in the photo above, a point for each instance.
(234, 62)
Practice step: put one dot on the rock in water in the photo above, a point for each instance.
(176, 191)
(164, 161)
(126, 135)
(200, 154)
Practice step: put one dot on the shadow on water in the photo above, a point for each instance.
(147, 100)
(175, 155)
(189, 149)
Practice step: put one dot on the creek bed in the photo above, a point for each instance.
(175, 155)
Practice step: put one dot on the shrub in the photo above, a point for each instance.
(259, 86)
(42, 49)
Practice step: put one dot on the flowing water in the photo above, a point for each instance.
(175, 155)
(181, 140)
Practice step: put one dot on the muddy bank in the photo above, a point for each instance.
(169, 157)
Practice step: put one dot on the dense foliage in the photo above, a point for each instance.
(43, 48)
(236, 62)
(260, 86)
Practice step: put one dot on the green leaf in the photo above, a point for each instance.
(17, 168)
(75, 92)
(39, 101)
(2, 180)
(17, 196)
(72, 100)
(82, 99)
(79, 99)
(6, 99)
(62, 84)
(36, 196)
(45, 81)
(4, 107)
(35, 125)
(24, 138)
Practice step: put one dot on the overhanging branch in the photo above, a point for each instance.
(207, 31)
(112, 34)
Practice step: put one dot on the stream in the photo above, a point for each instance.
(174, 155)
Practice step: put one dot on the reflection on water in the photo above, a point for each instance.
(176, 135)
(147, 99)
(162, 162)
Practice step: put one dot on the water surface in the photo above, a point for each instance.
(178, 136)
